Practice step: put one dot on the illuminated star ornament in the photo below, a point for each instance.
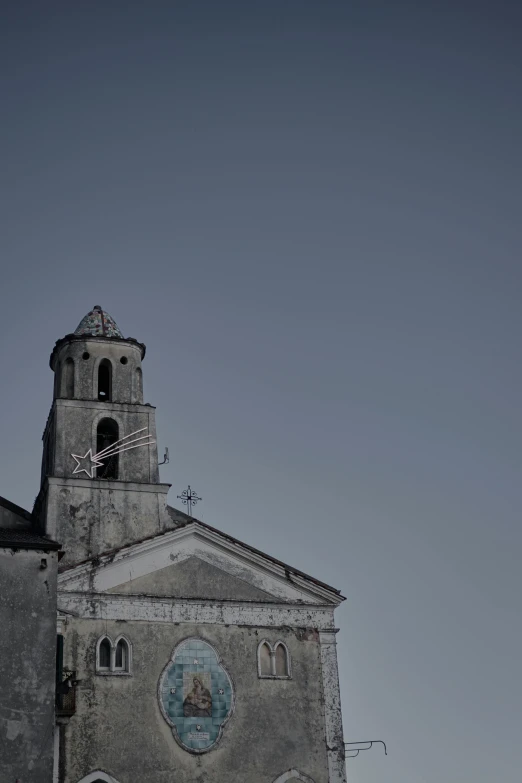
(89, 462)
(86, 464)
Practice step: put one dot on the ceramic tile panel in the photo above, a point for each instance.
(196, 695)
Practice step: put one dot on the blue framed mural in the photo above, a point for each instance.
(196, 695)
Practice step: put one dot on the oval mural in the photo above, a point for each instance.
(196, 695)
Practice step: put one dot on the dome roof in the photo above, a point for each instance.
(98, 323)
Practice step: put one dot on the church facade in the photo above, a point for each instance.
(192, 656)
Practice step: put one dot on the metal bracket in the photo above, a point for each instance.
(356, 751)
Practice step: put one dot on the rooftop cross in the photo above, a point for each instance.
(189, 498)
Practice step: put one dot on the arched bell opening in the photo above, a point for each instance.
(105, 381)
(107, 434)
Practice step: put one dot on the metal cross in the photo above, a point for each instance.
(189, 499)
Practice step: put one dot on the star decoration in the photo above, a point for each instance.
(221, 692)
(198, 727)
(86, 464)
(173, 690)
(196, 661)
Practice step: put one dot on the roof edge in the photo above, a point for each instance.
(16, 509)
(10, 538)
(187, 520)
(69, 338)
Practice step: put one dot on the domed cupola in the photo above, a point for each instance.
(98, 323)
(96, 362)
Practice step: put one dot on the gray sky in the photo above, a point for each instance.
(310, 213)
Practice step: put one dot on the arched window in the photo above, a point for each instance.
(68, 379)
(274, 661)
(98, 777)
(107, 434)
(265, 655)
(104, 655)
(121, 659)
(281, 661)
(113, 658)
(292, 774)
(105, 381)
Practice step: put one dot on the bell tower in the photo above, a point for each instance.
(100, 485)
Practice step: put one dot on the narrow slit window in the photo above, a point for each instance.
(264, 660)
(105, 655)
(107, 435)
(105, 381)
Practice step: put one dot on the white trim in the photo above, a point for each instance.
(332, 708)
(193, 540)
(293, 774)
(61, 620)
(93, 776)
(171, 610)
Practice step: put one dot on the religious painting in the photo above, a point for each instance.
(197, 698)
(196, 695)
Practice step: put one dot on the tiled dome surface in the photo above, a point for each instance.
(98, 323)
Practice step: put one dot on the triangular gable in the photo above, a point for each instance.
(193, 578)
(195, 540)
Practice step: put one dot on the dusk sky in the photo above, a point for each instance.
(310, 212)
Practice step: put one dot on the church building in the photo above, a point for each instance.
(188, 656)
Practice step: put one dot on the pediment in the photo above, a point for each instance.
(195, 562)
(193, 578)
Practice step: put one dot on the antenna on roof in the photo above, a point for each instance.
(165, 457)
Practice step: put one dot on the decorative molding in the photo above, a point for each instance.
(98, 775)
(115, 485)
(332, 708)
(193, 540)
(112, 671)
(97, 606)
(272, 649)
(293, 774)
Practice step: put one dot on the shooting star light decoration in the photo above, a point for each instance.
(89, 462)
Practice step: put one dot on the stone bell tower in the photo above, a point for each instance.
(100, 485)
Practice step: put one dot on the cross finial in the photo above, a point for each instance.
(189, 498)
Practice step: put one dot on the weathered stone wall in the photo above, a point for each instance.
(75, 423)
(89, 517)
(119, 728)
(126, 382)
(27, 665)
